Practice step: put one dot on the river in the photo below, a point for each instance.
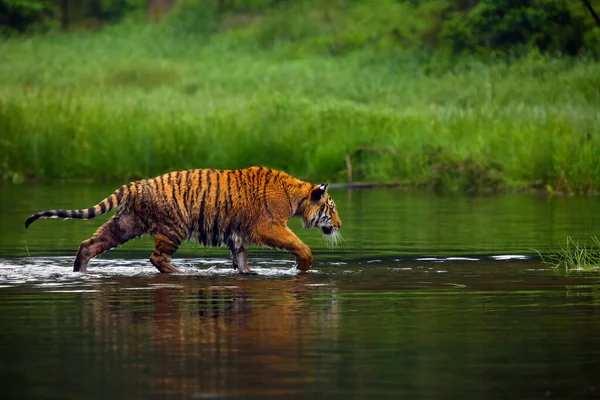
(427, 297)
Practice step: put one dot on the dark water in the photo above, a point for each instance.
(429, 297)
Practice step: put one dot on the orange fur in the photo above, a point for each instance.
(237, 208)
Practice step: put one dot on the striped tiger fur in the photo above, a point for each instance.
(236, 208)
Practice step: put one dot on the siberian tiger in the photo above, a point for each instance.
(236, 208)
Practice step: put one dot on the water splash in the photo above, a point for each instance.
(57, 271)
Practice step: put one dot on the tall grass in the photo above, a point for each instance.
(575, 256)
(134, 103)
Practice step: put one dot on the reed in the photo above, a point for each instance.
(575, 255)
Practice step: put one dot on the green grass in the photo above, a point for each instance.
(575, 256)
(130, 103)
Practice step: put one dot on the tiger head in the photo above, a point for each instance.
(322, 212)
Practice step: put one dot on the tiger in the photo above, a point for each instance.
(233, 208)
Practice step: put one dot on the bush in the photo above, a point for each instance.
(27, 16)
(516, 25)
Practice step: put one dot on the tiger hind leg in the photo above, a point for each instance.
(239, 256)
(164, 247)
(116, 231)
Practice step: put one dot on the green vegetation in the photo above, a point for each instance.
(308, 88)
(339, 26)
(575, 256)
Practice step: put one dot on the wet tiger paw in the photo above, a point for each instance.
(248, 272)
(302, 268)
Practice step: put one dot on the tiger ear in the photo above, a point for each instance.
(319, 192)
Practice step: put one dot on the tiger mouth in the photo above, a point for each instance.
(327, 230)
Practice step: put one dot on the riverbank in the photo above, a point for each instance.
(126, 104)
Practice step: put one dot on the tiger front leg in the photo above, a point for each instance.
(281, 237)
(240, 260)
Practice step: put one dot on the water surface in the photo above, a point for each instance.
(429, 297)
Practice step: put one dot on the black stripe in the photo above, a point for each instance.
(201, 230)
(160, 189)
(238, 180)
(228, 207)
(120, 195)
(196, 191)
(248, 185)
(62, 213)
(29, 220)
(139, 194)
(288, 197)
(170, 182)
(243, 185)
(49, 213)
(301, 204)
(187, 222)
(215, 226)
(268, 175)
(175, 204)
(76, 214)
(322, 212)
(145, 190)
(111, 203)
(255, 186)
(172, 236)
(102, 208)
(188, 197)
(180, 179)
(180, 231)
(253, 182)
(264, 193)
(167, 247)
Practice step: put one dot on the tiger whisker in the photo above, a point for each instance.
(334, 240)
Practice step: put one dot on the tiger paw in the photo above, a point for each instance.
(302, 267)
